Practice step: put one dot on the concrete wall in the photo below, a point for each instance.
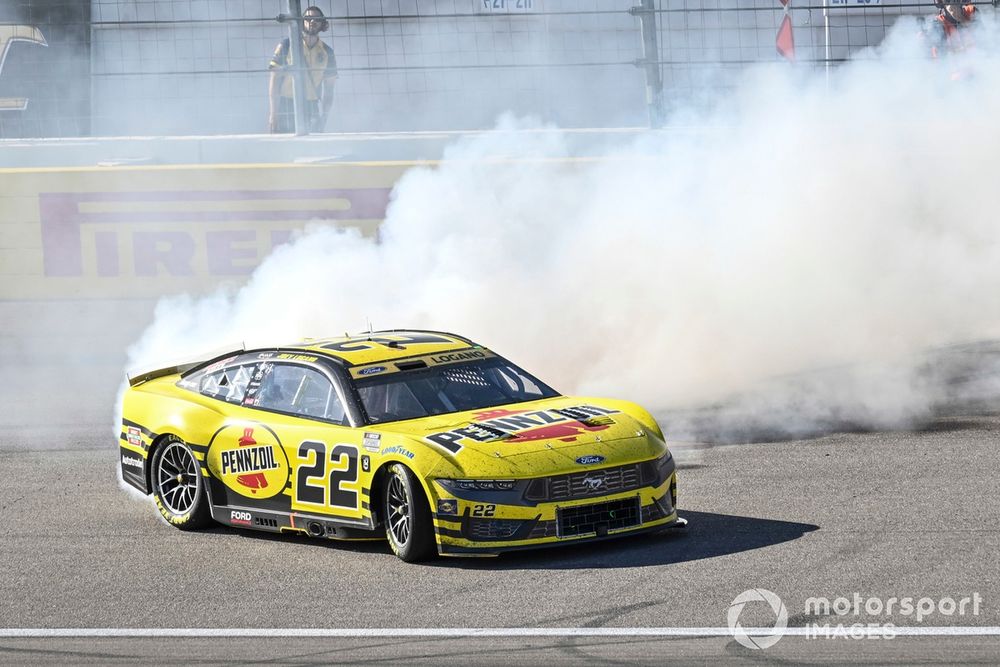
(86, 252)
(141, 232)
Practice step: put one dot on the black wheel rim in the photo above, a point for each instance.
(177, 478)
(398, 510)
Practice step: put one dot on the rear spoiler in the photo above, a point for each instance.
(145, 374)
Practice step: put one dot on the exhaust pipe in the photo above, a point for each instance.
(316, 529)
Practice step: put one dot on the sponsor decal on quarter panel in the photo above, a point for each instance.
(132, 461)
(249, 460)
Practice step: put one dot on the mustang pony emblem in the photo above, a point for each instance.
(593, 483)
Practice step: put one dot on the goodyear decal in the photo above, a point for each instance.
(249, 460)
(469, 354)
(396, 449)
(520, 426)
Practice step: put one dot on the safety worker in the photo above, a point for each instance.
(948, 33)
(318, 77)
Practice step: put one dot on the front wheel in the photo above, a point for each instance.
(408, 524)
(178, 486)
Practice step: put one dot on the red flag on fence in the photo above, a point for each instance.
(785, 42)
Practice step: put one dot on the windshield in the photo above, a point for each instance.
(438, 390)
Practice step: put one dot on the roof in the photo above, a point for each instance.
(379, 346)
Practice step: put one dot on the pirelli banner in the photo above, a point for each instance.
(44, 68)
(142, 232)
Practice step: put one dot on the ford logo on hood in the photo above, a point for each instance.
(371, 370)
(590, 460)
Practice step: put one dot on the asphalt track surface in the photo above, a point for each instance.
(879, 514)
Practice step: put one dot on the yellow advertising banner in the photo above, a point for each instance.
(142, 232)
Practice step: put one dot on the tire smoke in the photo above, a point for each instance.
(792, 260)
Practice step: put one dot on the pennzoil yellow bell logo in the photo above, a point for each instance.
(249, 460)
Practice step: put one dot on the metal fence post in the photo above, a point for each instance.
(650, 61)
(298, 66)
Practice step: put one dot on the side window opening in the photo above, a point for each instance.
(238, 384)
(300, 390)
(228, 385)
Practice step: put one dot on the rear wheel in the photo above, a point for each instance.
(408, 523)
(178, 486)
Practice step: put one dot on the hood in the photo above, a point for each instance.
(538, 437)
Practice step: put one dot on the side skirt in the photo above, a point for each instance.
(280, 522)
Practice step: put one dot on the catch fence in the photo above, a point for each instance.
(199, 67)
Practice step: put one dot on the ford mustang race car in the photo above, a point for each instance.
(427, 438)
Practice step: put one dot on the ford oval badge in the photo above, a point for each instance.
(371, 370)
(590, 460)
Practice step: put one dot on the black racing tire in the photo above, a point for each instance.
(408, 523)
(178, 485)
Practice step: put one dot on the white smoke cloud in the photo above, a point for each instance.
(806, 223)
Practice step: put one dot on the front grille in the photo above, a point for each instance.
(599, 518)
(591, 483)
(493, 529)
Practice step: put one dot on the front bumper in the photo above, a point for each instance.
(484, 526)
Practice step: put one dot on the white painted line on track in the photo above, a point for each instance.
(812, 633)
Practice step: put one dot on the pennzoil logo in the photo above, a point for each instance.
(249, 460)
(521, 426)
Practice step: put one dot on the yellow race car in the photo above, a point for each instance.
(425, 437)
